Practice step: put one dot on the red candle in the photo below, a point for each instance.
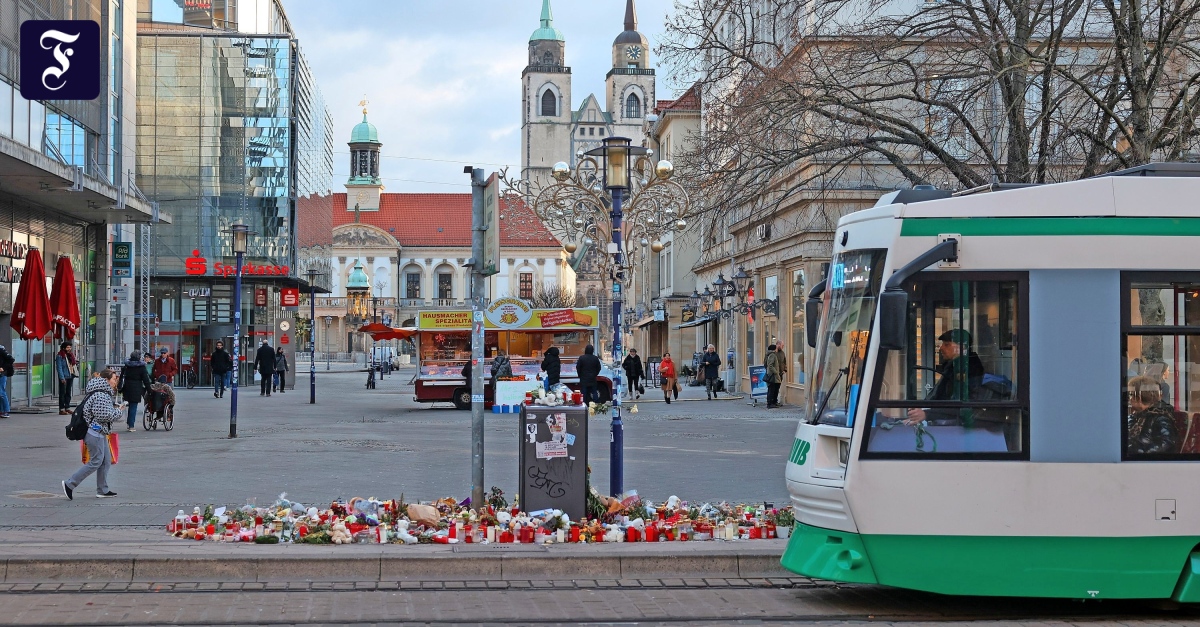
(210, 529)
(670, 534)
(756, 533)
(631, 534)
(303, 530)
(651, 534)
(770, 531)
(573, 536)
(506, 537)
(527, 535)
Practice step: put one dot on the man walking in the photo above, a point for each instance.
(773, 377)
(264, 363)
(632, 365)
(711, 362)
(221, 364)
(588, 368)
(67, 369)
(165, 368)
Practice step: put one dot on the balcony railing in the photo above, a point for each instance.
(342, 302)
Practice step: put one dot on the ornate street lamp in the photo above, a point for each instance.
(737, 287)
(614, 194)
(311, 274)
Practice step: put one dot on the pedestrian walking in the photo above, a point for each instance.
(281, 368)
(67, 369)
(165, 367)
(501, 367)
(666, 370)
(133, 385)
(587, 367)
(264, 363)
(632, 365)
(711, 364)
(773, 376)
(552, 366)
(222, 365)
(7, 370)
(100, 410)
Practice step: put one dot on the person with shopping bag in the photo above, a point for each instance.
(670, 384)
(100, 410)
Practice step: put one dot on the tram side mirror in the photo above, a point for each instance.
(893, 316)
(812, 320)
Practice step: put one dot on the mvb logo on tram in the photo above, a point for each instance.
(60, 60)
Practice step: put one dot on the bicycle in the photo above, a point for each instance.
(190, 377)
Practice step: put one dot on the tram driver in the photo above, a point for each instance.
(960, 374)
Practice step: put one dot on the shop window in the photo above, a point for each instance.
(445, 285)
(412, 285)
(799, 341)
(957, 389)
(526, 285)
(1160, 343)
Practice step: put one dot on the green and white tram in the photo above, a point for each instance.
(1006, 389)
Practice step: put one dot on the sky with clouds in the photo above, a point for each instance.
(443, 77)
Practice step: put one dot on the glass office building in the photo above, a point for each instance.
(232, 129)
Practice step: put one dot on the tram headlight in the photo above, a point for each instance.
(843, 452)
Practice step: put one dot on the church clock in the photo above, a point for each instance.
(634, 52)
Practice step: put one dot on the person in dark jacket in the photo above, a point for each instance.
(960, 378)
(501, 367)
(1151, 422)
(632, 365)
(281, 368)
(588, 368)
(132, 386)
(711, 362)
(222, 365)
(66, 366)
(552, 366)
(264, 363)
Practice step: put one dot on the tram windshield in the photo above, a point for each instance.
(855, 278)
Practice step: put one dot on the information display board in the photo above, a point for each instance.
(553, 459)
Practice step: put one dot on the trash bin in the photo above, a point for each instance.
(552, 459)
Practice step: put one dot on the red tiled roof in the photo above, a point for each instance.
(689, 101)
(314, 221)
(444, 220)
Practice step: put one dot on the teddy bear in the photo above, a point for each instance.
(401, 532)
(338, 534)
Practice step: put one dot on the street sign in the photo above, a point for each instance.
(289, 297)
(122, 259)
(491, 222)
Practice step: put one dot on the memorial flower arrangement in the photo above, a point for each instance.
(447, 521)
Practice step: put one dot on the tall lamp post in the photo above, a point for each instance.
(241, 234)
(311, 274)
(614, 194)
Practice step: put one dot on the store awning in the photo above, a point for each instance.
(697, 322)
(643, 322)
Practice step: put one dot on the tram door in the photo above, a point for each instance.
(209, 335)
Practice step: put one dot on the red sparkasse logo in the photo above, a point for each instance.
(289, 297)
(197, 265)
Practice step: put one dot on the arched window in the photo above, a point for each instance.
(548, 58)
(633, 106)
(591, 297)
(549, 103)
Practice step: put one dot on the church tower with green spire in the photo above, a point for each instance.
(545, 101)
(364, 186)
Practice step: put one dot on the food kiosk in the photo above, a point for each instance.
(511, 325)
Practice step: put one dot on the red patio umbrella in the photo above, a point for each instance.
(64, 305)
(393, 334)
(374, 327)
(31, 311)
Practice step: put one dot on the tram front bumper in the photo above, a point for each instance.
(828, 554)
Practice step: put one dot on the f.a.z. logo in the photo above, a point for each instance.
(60, 59)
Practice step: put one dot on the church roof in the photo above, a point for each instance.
(630, 35)
(445, 220)
(547, 32)
(364, 132)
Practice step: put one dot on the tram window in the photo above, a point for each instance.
(1161, 366)
(956, 387)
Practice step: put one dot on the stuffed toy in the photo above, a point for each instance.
(338, 534)
(401, 533)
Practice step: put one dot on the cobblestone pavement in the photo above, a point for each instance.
(379, 442)
(578, 602)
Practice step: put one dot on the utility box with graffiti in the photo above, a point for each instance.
(553, 459)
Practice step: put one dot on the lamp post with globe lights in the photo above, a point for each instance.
(615, 194)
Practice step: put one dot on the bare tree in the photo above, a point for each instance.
(803, 97)
(554, 295)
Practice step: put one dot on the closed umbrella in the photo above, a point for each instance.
(64, 305)
(31, 311)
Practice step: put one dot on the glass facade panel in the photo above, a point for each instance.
(20, 118)
(215, 114)
(799, 339)
(6, 109)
